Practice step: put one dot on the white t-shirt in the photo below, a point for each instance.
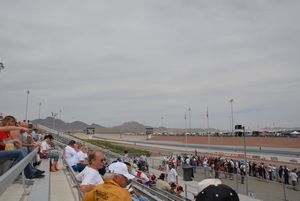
(69, 152)
(79, 156)
(44, 146)
(89, 176)
(294, 176)
(171, 178)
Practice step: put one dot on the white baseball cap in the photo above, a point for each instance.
(207, 182)
(120, 168)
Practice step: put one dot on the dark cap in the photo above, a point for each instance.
(220, 192)
(179, 188)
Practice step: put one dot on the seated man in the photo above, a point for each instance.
(90, 176)
(69, 152)
(161, 184)
(114, 188)
(79, 160)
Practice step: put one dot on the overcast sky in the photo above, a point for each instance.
(109, 62)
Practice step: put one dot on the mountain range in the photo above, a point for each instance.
(127, 127)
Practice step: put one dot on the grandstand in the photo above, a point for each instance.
(64, 185)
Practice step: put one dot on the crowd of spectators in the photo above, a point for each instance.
(17, 140)
(220, 167)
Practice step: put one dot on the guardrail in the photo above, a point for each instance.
(10, 176)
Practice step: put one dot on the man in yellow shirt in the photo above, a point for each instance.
(113, 188)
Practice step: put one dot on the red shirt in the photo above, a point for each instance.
(3, 135)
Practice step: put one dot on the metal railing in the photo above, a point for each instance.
(11, 175)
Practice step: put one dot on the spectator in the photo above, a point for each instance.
(69, 152)
(280, 173)
(90, 176)
(179, 190)
(286, 175)
(50, 152)
(172, 176)
(79, 160)
(114, 187)
(294, 178)
(10, 140)
(161, 184)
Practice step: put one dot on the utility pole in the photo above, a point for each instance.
(26, 112)
(208, 134)
(190, 122)
(40, 104)
(231, 104)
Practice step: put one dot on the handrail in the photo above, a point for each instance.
(10, 176)
(163, 195)
(73, 177)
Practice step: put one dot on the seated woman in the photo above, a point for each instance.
(50, 152)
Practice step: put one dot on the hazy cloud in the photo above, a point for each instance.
(109, 62)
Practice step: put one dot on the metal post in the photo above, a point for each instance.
(26, 112)
(190, 123)
(23, 182)
(245, 160)
(185, 191)
(237, 182)
(185, 132)
(208, 134)
(284, 193)
(231, 100)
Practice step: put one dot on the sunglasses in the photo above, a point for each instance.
(101, 160)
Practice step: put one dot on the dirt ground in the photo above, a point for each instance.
(274, 142)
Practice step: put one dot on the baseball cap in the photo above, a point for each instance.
(120, 168)
(207, 182)
(215, 191)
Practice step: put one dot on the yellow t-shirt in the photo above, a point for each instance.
(110, 191)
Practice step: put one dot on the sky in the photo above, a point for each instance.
(110, 62)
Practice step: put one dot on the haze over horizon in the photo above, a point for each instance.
(110, 62)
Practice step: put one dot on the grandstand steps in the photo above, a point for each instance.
(61, 190)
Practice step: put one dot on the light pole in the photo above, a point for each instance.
(231, 104)
(60, 111)
(208, 134)
(185, 133)
(245, 160)
(26, 112)
(40, 104)
(190, 120)
(53, 115)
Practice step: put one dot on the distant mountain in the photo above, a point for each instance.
(131, 126)
(61, 125)
(127, 127)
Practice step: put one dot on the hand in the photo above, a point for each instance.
(17, 144)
